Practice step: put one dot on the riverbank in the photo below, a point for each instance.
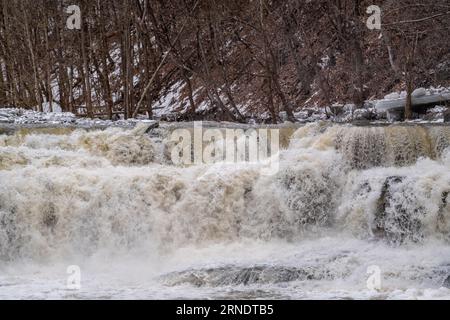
(12, 120)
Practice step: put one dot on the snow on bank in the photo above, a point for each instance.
(339, 113)
(345, 114)
(420, 97)
(30, 117)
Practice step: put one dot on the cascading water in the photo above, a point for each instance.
(345, 198)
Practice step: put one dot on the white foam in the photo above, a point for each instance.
(110, 203)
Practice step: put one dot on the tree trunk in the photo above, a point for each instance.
(38, 97)
(408, 105)
(48, 69)
(190, 92)
(86, 76)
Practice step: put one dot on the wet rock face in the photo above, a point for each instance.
(259, 274)
(337, 110)
(443, 217)
(446, 283)
(447, 116)
(397, 220)
(309, 196)
(395, 115)
(445, 195)
(10, 239)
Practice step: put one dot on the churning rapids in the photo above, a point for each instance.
(345, 198)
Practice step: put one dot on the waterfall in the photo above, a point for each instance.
(79, 194)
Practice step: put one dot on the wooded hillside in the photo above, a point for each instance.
(225, 60)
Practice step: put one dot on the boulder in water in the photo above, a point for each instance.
(446, 283)
(283, 116)
(395, 115)
(151, 125)
(364, 114)
(337, 110)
